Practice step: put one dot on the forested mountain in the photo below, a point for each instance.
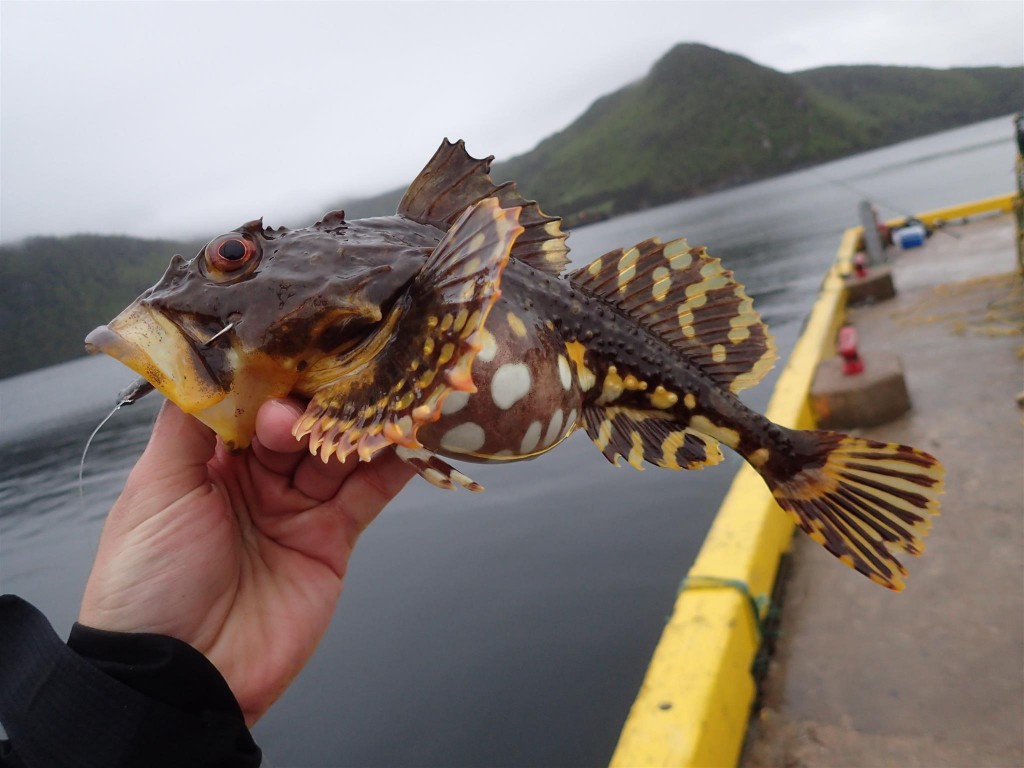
(703, 120)
(54, 290)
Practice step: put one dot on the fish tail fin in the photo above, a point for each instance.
(860, 499)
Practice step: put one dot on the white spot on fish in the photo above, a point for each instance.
(554, 428)
(454, 403)
(564, 374)
(531, 438)
(465, 438)
(510, 384)
(489, 346)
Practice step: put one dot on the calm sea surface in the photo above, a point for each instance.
(513, 627)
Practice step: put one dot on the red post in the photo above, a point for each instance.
(852, 364)
(860, 264)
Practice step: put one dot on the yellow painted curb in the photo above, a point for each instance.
(998, 204)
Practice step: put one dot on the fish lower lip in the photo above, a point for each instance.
(104, 340)
(152, 346)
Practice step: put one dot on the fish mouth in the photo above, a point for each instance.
(155, 347)
(149, 343)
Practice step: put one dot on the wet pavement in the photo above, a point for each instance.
(933, 676)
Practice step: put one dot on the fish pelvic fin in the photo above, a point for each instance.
(381, 392)
(862, 500)
(689, 300)
(652, 436)
(435, 470)
(453, 180)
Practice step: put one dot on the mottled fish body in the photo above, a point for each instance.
(452, 330)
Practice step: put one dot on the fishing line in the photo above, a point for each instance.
(873, 198)
(130, 394)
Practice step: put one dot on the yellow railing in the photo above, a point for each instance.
(694, 705)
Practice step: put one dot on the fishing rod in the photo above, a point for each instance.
(868, 196)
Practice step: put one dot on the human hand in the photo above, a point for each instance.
(242, 556)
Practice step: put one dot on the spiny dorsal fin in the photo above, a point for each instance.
(648, 435)
(688, 299)
(453, 180)
(381, 392)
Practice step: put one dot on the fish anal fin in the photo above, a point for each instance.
(691, 302)
(382, 391)
(863, 500)
(637, 435)
(453, 180)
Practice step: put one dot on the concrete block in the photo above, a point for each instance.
(876, 396)
(876, 286)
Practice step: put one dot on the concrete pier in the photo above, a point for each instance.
(933, 676)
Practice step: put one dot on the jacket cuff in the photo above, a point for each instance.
(109, 699)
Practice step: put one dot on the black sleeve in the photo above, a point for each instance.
(112, 700)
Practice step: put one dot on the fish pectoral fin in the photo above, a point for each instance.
(452, 180)
(397, 379)
(434, 470)
(650, 436)
(862, 500)
(690, 301)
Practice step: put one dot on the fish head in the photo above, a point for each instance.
(239, 323)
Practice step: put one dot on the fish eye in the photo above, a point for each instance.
(229, 253)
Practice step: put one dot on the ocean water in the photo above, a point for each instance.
(511, 627)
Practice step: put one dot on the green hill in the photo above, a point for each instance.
(703, 120)
(883, 105)
(54, 290)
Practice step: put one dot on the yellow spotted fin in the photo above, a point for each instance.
(453, 180)
(650, 436)
(860, 499)
(383, 390)
(687, 299)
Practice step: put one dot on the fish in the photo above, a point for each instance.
(453, 330)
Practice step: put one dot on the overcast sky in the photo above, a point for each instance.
(177, 119)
